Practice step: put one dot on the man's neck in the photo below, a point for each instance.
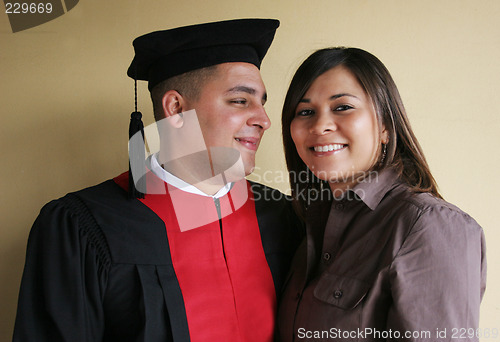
(197, 171)
(209, 187)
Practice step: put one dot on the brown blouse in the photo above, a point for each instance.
(391, 264)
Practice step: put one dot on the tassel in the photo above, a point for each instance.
(136, 154)
(136, 157)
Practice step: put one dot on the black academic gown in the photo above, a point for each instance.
(99, 268)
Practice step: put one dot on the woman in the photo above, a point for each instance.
(385, 256)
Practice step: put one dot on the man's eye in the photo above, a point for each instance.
(342, 108)
(305, 112)
(239, 101)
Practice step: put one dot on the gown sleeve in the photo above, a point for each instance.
(64, 277)
(438, 278)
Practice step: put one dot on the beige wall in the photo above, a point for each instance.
(65, 99)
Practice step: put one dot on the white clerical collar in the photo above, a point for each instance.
(169, 178)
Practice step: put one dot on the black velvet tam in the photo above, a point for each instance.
(163, 54)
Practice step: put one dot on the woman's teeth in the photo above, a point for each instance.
(328, 148)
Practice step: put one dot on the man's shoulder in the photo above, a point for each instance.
(105, 197)
(281, 229)
(103, 192)
(265, 193)
(106, 216)
(274, 205)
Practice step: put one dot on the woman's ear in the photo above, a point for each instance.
(172, 103)
(384, 136)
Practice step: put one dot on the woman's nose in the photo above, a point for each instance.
(324, 123)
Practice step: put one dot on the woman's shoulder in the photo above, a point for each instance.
(431, 210)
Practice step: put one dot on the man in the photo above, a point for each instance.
(203, 254)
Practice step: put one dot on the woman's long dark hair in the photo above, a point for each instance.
(403, 150)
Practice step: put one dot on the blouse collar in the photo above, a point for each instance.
(373, 188)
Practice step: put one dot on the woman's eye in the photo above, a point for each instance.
(305, 112)
(342, 108)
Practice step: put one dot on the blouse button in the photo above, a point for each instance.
(297, 296)
(327, 256)
(339, 206)
(337, 294)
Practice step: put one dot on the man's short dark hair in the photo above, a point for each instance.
(189, 85)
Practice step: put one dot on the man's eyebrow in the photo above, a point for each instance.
(245, 89)
(333, 97)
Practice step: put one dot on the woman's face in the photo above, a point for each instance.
(335, 129)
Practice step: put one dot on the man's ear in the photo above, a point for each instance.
(173, 105)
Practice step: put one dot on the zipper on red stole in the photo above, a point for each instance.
(219, 215)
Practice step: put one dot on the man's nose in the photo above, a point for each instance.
(260, 118)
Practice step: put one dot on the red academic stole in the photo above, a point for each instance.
(226, 283)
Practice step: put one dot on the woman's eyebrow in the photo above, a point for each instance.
(333, 97)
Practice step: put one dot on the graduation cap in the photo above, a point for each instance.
(163, 54)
